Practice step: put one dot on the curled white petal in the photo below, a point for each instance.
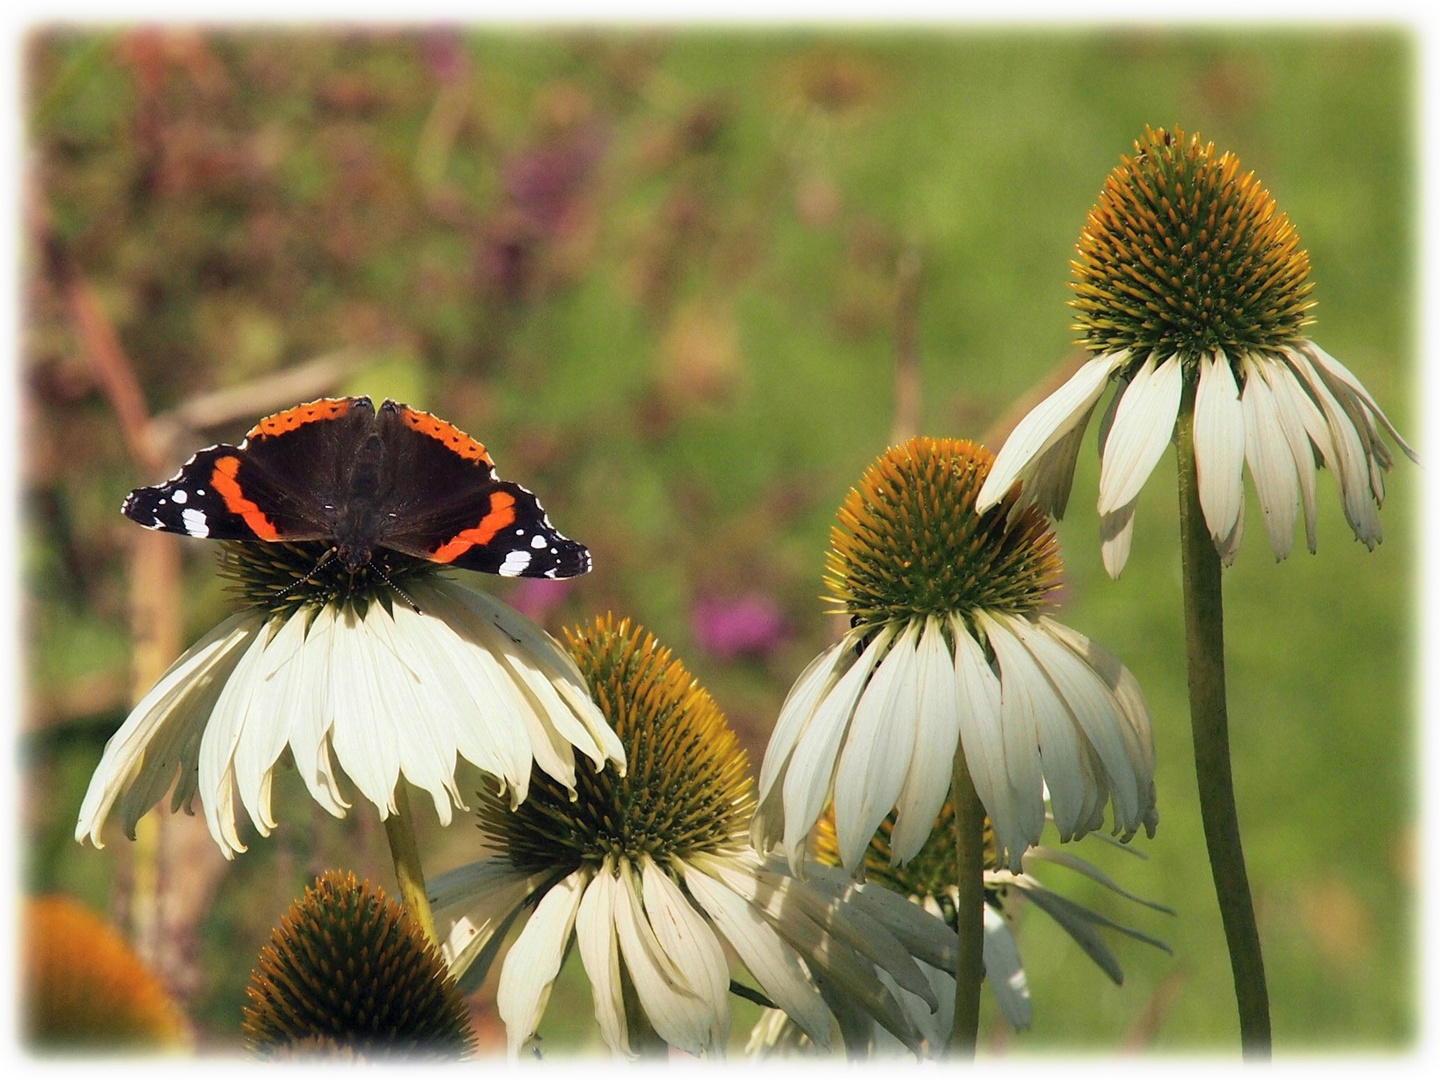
(1143, 425)
(534, 961)
(1045, 425)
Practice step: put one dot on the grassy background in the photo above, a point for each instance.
(655, 274)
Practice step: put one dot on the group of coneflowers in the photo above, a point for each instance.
(862, 882)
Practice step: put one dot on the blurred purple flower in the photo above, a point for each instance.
(536, 598)
(747, 625)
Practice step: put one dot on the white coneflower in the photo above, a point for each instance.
(649, 874)
(336, 668)
(949, 644)
(1192, 290)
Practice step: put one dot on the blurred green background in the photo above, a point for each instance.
(656, 273)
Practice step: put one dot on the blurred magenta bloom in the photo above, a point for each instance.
(747, 625)
(536, 598)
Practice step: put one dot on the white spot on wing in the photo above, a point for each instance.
(515, 563)
(181, 497)
(194, 522)
(538, 543)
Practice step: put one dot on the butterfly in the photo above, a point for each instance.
(362, 479)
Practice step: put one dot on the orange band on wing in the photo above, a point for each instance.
(223, 480)
(501, 514)
(299, 416)
(446, 433)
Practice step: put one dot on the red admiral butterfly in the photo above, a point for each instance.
(338, 470)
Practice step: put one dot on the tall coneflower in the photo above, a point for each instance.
(954, 683)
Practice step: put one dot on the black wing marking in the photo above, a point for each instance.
(219, 494)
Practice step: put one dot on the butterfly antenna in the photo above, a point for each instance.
(307, 579)
(403, 594)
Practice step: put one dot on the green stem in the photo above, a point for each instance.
(969, 907)
(1205, 654)
(408, 871)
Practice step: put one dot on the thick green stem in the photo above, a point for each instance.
(969, 907)
(408, 871)
(1205, 654)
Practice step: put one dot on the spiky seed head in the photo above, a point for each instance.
(1184, 254)
(687, 787)
(348, 972)
(929, 876)
(907, 542)
(282, 578)
(85, 989)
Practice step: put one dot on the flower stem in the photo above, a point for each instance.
(969, 905)
(1205, 655)
(408, 871)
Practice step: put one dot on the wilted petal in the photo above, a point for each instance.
(1045, 425)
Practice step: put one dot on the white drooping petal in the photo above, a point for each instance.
(1219, 441)
(161, 734)
(422, 712)
(1116, 529)
(765, 955)
(1271, 461)
(1045, 425)
(1340, 373)
(471, 687)
(814, 682)
(878, 749)
(1350, 462)
(674, 1007)
(924, 935)
(852, 924)
(1018, 729)
(222, 734)
(1004, 971)
(1039, 713)
(1143, 425)
(1291, 403)
(363, 731)
(551, 659)
(691, 945)
(600, 953)
(982, 734)
(493, 894)
(1053, 473)
(1097, 712)
(812, 764)
(927, 780)
(310, 726)
(778, 900)
(283, 685)
(534, 961)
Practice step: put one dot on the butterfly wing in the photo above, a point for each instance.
(446, 504)
(278, 484)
